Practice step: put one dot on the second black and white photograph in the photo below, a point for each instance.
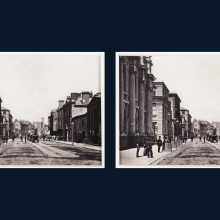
(167, 110)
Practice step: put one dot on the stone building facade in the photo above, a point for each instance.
(76, 104)
(94, 119)
(17, 127)
(136, 91)
(196, 128)
(6, 114)
(11, 126)
(80, 131)
(176, 118)
(162, 110)
(203, 128)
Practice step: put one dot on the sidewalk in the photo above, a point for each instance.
(2, 144)
(128, 157)
(99, 148)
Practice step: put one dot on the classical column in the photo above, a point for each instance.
(136, 85)
(121, 89)
(148, 108)
(132, 99)
(141, 102)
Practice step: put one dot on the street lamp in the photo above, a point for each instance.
(168, 114)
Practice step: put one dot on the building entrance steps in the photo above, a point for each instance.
(99, 148)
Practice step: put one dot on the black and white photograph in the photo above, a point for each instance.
(167, 109)
(52, 109)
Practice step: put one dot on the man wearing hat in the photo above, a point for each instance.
(159, 144)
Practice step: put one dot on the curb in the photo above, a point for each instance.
(156, 161)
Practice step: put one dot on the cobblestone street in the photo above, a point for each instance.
(47, 153)
(196, 153)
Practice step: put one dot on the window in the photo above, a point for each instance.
(82, 123)
(154, 92)
(154, 105)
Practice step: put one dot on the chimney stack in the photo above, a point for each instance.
(61, 102)
(75, 96)
(85, 97)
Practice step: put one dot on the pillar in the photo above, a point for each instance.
(121, 94)
(148, 109)
(132, 100)
(141, 104)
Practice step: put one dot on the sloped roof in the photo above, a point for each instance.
(173, 94)
(78, 111)
(97, 95)
(181, 108)
(5, 109)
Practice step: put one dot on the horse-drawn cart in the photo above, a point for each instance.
(213, 138)
(35, 138)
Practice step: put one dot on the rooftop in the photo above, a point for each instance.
(181, 108)
(160, 82)
(5, 109)
(173, 94)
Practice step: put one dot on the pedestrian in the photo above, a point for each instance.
(204, 139)
(159, 144)
(164, 141)
(148, 150)
(192, 138)
(137, 144)
(13, 137)
(200, 137)
(25, 138)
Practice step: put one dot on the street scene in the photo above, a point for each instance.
(51, 113)
(48, 153)
(168, 109)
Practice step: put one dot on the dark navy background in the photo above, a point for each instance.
(109, 193)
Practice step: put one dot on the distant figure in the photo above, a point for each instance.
(164, 141)
(25, 138)
(200, 137)
(13, 137)
(204, 139)
(21, 138)
(54, 137)
(137, 144)
(159, 144)
(192, 138)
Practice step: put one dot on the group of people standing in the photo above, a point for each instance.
(148, 146)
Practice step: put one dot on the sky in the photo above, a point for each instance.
(31, 85)
(196, 80)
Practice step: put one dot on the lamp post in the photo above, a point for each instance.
(177, 124)
(168, 114)
(72, 131)
(66, 133)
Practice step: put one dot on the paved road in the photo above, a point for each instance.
(47, 153)
(196, 153)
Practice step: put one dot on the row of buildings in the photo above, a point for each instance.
(147, 107)
(202, 127)
(8, 128)
(6, 124)
(78, 118)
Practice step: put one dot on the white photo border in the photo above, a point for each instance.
(117, 156)
(102, 81)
